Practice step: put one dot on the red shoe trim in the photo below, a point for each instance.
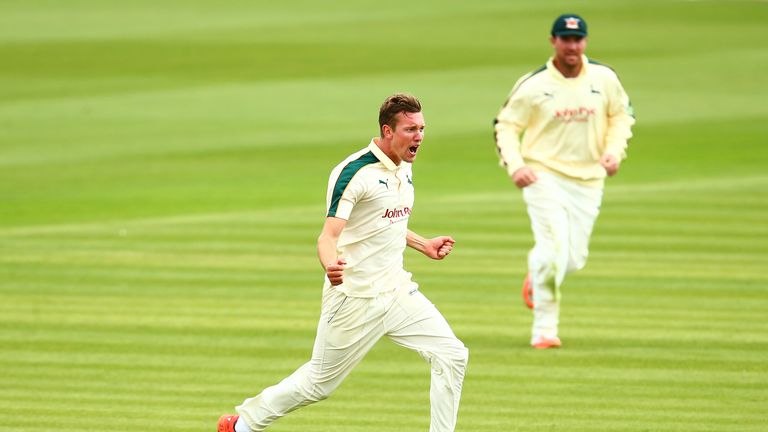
(528, 291)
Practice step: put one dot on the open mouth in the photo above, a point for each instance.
(413, 149)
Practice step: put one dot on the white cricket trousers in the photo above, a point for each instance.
(562, 215)
(349, 327)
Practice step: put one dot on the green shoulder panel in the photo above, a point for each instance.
(520, 83)
(345, 177)
(529, 76)
(630, 108)
(597, 63)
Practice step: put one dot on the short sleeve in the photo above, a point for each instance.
(343, 193)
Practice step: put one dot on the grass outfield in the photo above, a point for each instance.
(162, 184)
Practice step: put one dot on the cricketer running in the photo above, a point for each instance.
(561, 131)
(367, 293)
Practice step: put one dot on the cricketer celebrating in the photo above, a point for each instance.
(575, 120)
(367, 293)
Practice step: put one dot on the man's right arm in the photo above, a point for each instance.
(509, 125)
(327, 250)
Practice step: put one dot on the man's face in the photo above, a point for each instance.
(406, 136)
(569, 49)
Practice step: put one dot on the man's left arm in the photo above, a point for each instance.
(619, 127)
(436, 248)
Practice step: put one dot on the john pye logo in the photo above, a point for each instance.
(395, 214)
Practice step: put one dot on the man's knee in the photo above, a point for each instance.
(578, 261)
(319, 394)
(449, 366)
(313, 391)
(463, 356)
(452, 352)
(542, 262)
(457, 355)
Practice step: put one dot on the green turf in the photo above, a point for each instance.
(162, 183)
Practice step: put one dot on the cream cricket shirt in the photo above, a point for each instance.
(375, 196)
(567, 124)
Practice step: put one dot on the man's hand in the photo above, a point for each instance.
(439, 247)
(610, 163)
(524, 176)
(327, 251)
(335, 271)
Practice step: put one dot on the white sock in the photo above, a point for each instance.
(241, 426)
